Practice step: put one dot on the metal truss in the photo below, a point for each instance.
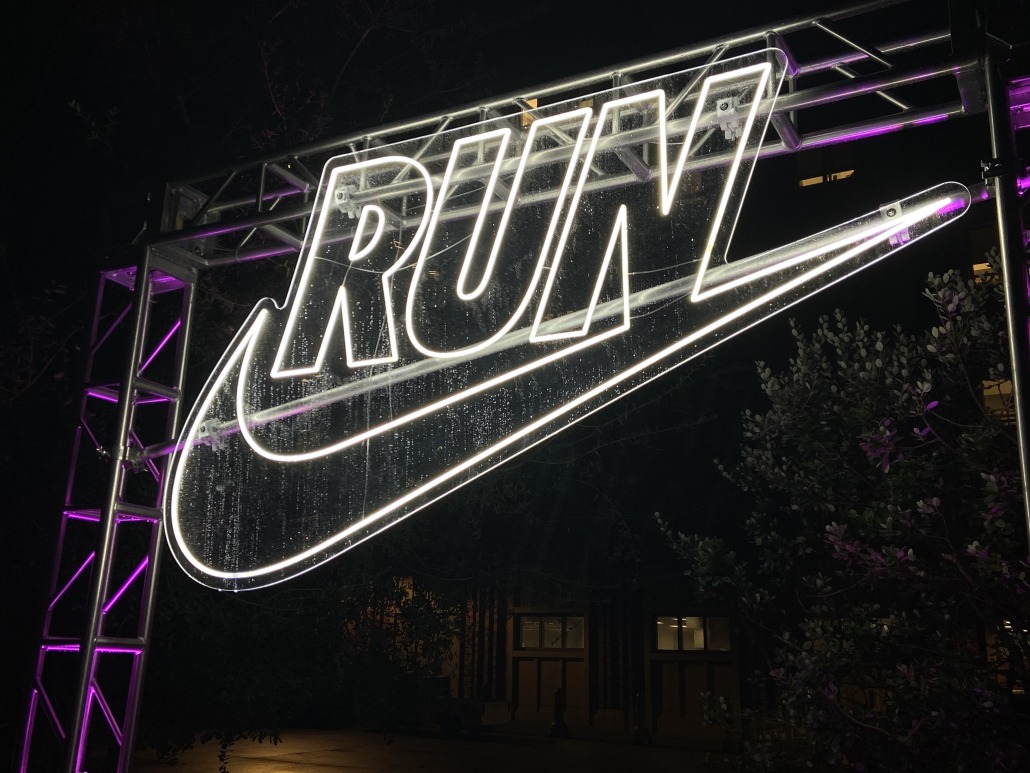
(103, 586)
(851, 74)
(845, 90)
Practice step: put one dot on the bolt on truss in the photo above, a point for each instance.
(850, 75)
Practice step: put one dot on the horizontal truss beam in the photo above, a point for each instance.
(259, 209)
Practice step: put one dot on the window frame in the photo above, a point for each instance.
(541, 644)
(706, 629)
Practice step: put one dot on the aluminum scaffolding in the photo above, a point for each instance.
(102, 596)
(103, 584)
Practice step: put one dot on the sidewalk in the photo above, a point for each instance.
(361, 751)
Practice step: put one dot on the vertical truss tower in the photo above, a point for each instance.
(851, 74)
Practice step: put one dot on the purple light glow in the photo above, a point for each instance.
(110, 395)
(83, 515)
(160, 345)
(858, 135)
(74, 577)
(107, 650)
(108, 714)
(61, 647)
(39, 694)
(931, 119)
(153, 400)
(84, 423)
(27, 736)
(953, 205)
(103, 393)
(125, 586)
(111, 328)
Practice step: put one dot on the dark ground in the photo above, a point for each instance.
(362, 751)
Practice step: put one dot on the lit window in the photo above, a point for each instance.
(573, 632)
(668, 633)
(692, 634)
(550, 632)
(529, 632)
(997, 397)
(825, 165)
(718, 634)
(826, 178)
(527, 117)
(984, 274)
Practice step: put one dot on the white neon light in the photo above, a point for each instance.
(301, 286)
(865, 239)
(669, 182)
(669, 189)
(654, 98)
(543, 310)
(357, 252)
(724, 199)
(293, 457)
(582, 116)
(618, 238)
(907, 221)
(488, 193)
(543, 343)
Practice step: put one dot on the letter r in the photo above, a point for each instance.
(344, 284)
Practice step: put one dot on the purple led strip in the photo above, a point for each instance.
(125, 585)
(112, 397)
(52, 711)
(101, 394)
(108, 650)
(84, 515)
(74, 577)
(38, 695)
(80, 752)
(160, 345)
(96, 694)
(857, 135)
(110, 329)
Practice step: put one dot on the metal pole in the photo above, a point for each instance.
(79, 729)
(1013, 261)
(149, 602)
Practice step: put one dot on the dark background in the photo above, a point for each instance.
(105, 101)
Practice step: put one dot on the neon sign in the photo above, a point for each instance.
(462, 297)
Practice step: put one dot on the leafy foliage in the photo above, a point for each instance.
(40, 330)
(359, 646)
(885, 575)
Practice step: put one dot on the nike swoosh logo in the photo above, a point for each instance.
(399, 369)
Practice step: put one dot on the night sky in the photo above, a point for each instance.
(105, 101)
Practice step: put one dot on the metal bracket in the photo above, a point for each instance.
(726, 114)
(134, 458)
(210, 434)
(344, 198)
(996, 167)
(893, 211)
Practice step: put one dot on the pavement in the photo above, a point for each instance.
(362, 751)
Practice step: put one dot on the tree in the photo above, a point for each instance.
(884, 576)
(360, 644)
